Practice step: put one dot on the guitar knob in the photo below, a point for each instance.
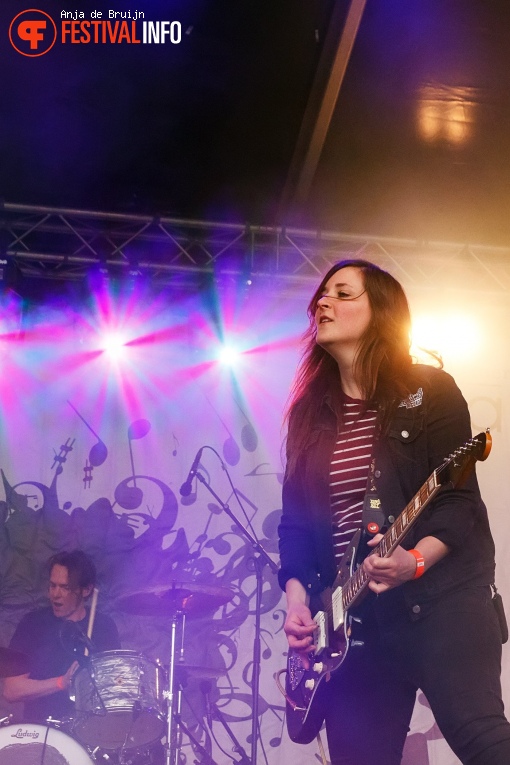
(310, 684)
(318, 667)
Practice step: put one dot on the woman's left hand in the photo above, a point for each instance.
(385, 573)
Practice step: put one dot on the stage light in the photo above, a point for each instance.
(114, 345)
(228, 356)
(453, 336)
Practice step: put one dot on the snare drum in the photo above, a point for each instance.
(26, 743)
(119, 701)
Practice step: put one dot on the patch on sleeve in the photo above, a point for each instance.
(413, 399)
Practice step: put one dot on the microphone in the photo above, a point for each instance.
(205, 687)
(83, 647)
(185, 489)
(75, 641)
(84, 640)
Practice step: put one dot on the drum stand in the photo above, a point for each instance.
(173, 695)
(178, 599)
(173, 732)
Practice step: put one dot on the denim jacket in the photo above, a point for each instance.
(428, 426)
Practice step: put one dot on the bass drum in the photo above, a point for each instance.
(28, 744)
(119, 702)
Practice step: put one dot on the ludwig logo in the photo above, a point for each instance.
(32, 33)
(27, 733)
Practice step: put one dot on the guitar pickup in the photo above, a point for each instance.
(321, 632)
(338, 608)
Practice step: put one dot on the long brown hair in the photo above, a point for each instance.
(381, 366)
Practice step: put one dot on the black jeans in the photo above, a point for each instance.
(453, 655)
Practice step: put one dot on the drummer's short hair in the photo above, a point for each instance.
(81, 569)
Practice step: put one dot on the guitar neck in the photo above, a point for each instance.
(358, 582)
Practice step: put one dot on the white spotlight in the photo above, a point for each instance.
(452, 336)
(114, 345)
(228, 355)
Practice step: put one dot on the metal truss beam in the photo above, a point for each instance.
(65, 244)
(340, 38)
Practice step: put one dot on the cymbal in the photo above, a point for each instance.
(13, 663)
(192, 598)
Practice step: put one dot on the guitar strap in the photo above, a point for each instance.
(373, 518)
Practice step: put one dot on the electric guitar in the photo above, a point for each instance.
(333, 636)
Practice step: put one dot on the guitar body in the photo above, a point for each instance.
(336, 617)
(305, 688)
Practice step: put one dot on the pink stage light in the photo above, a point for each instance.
(114, 345)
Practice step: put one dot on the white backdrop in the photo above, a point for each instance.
(93, 454)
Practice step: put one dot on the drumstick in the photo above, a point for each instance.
(92, 616)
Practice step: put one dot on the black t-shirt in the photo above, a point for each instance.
(52, 645)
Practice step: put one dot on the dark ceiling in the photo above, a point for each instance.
(418, 145)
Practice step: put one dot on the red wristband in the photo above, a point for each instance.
(420, 563)
(60, 683)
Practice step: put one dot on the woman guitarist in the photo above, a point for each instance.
(365, 421)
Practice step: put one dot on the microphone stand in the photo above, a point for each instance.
(237, 748)
(198, 746)
(261, 559)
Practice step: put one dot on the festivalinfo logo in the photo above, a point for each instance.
(33, 32)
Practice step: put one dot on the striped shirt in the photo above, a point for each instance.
(349, 469)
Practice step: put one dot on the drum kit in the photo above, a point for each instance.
(127, 706)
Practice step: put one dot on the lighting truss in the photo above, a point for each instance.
(61, 243)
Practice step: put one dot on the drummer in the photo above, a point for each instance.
(55, 639)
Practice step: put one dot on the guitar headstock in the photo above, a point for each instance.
(457, 466)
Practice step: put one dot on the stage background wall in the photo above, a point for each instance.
(93, 452)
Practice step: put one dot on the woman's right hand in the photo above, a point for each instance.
(299, 625)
